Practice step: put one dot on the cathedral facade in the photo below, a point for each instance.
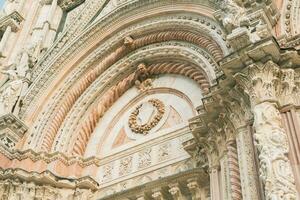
(150, 100)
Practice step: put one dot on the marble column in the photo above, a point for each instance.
(248, 172)
(215, 185)
(292, 127)
(225, 178)
(260, 82)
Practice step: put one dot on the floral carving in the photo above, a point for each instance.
(164, 151)
(125, 166)
(145, 128)
(107, 172)
(145, 158)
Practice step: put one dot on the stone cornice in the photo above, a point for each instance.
(49, 157)
(13, 20)
(67, 5)
(13, 123)
(183, 176)
(49, 178)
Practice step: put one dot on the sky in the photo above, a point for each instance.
(1, 3)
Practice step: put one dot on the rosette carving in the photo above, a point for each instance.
(145, 128)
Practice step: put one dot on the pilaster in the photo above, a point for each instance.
(261, 83)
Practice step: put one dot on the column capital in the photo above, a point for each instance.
(268, 82)
(260, 81)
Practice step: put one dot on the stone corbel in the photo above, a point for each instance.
(141, 197)
(12, 130)
(9, 23)
(175, 191)
(67, 5)
(157, 194)
(13, 20)
(195, 189)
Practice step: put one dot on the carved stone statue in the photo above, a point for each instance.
(143, 82)
(10, 90)
(14, 83)
(232, 15)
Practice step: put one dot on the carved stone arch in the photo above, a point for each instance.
(210, 71)
(288, 27)
(99, 107)
(162, 56)
(59, 110)
(51, 64)
(46, 138)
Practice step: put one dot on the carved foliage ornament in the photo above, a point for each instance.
(154, 120)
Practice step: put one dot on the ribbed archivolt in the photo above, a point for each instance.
(112, 95)
(71, 97)
(61, 111)
(234, 172)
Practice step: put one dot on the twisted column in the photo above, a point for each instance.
(234, 173)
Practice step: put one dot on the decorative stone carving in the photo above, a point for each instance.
(10, 91)
(231, 15)
(125, 166)
(107, 172)
(262, 83)
(176, 192)
(234, 174)
(275, 169)
(143, 82)
(144, 125)
(164, 151)
(144, 158)
(158, 195)
(194, 188)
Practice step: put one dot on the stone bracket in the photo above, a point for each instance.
(12, 130)
(14, 20)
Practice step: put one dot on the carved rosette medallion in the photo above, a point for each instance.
(146, 116)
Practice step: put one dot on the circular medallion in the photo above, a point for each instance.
(146, 116)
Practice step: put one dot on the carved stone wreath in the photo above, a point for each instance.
(145, 128)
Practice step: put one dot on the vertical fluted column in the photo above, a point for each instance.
(248, 172)
(215, 190)
(292, 127)
(234, 173)
(261, 82)
(225, 178)
(4, 39)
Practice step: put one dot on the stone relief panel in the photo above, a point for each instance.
(125, 166)
(154, 155)
(144, 158)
